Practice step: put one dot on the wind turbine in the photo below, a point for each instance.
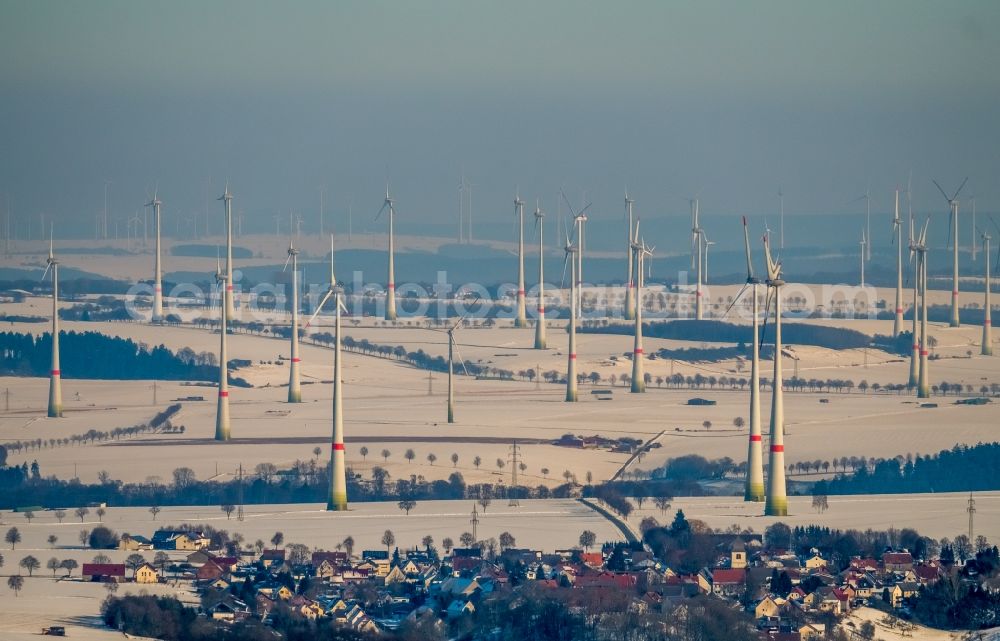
(915, 351)
(697, 248)
(461, 209)
(776, 501)
(337, 499)
(579, 219)
(897, 227)
(227, 198)
(520, 320)
(570, 250)
(754, 487)
(638, 374)
(156, 203)
(55, 375)
(222, 410)
(863, 244)
(451, 368)
(390, 293)
(540, 322)
(987, 347)
(953, 235)
(294, 385)
(630, 254)
(923, 378)
(708, 243)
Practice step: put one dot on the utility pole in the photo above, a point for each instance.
(430, 383)
(154, 392)
(475, 522)
(514, 461)
(239, 483)
(6, 404)
(972, 511)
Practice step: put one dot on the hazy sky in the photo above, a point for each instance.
(729, 98)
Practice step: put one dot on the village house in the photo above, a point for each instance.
(146, 573)
(134, 543)
(104, 572)
(897, 561)
(179, 540)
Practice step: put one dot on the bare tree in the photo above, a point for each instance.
(388, 540)
(13, 537)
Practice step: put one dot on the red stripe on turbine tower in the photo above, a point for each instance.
(541, 310)
(777, 448)
(339, 447)
(296, 360)
(520, 292)
(637, 351)
(56, 372)
(229, 288)
(392, 285)
(572, 357)
(755, 438)
(224, 394)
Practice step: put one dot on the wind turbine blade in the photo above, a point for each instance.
(746, 242)
(562, 281)
(941, 190)
(571, 211)
(379, 214)
(287, 260)
(959, 190)
(319, 307)
(951, 219)
(46, 272)
(736, 299)
(461, 360)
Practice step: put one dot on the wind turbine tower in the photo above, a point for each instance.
(987, 349)
(337, 499)
(521, 320)
(953, 232)
(55, 375)
(863, 243)
(915, 351)
(222, 411)
(571, 250)
(227, 198)
(540, 322)
(776, 501)
(451, 369)
(630, 254)
(697, 245)
(897, 226)
(923, 378)
(294, 384)
(390, 292)
(638, 374)
(156, 204)
(754, 489)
